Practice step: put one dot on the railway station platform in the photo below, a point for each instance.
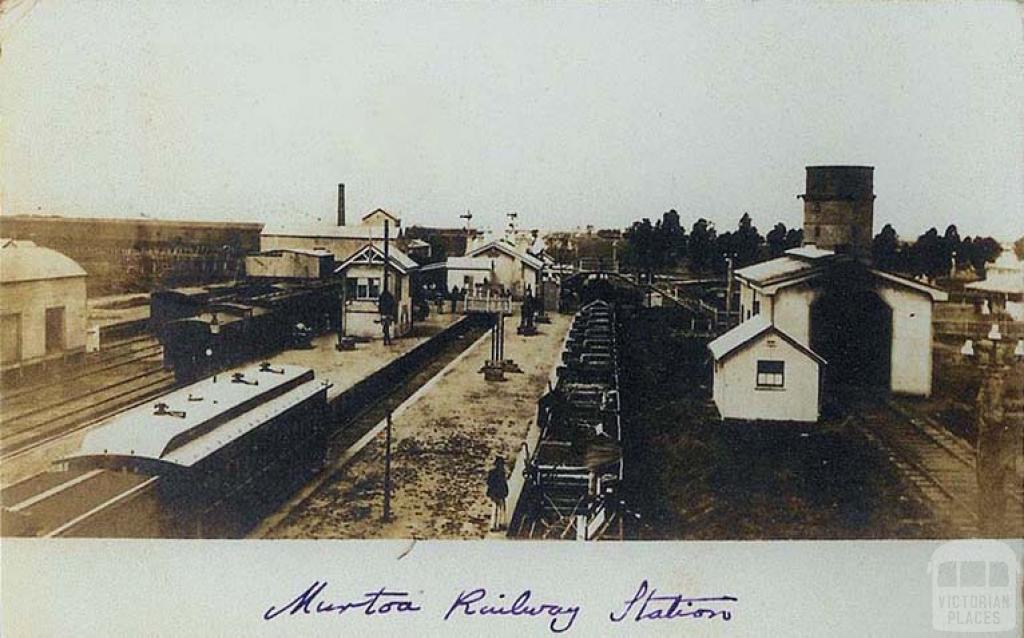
(341, 369)
(444, 440)
(346, 368)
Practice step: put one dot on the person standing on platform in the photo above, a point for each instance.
(387, 306)
(454, 297)
(497, 491)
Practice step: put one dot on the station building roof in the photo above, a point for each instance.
(809, 262)
(213, 413)
(373, 254)
(509, 250)
(22, 260)
(745, 333)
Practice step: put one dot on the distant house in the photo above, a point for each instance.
(762, 373)
(364, 278)
(42, 305)
(511, 269)
(418, 250)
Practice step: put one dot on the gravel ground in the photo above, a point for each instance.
(443, 446)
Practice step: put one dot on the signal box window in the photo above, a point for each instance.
(771, 374)
(362, 288)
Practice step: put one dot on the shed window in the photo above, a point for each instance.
(771, 374)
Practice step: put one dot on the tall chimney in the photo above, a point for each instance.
(341, 204)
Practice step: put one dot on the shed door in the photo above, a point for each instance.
(54, 330)
(10, 338)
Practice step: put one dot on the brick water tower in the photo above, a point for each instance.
(839, 208)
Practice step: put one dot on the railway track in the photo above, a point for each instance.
(35, 427)
(936, 464)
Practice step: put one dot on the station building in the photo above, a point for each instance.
(511, 269)
(42, 305)
(874, 328)
(363, 273)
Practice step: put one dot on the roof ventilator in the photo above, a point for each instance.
(162, 409)
(239, 377)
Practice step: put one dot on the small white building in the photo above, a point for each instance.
(511, 269)
(761, 373)
(42, 305)
(364, 279)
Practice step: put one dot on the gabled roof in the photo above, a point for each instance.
(808, 262)
(22, 260)
(796, 262)
(931, 291)
(373, 254)
(383, 212)
(509, 250)
(461, 263)
(730, 342)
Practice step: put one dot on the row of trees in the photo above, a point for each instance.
(933, 255)
(665, 245)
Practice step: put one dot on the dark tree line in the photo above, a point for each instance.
(665, 245)
(933, 255)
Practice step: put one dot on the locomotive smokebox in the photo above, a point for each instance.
(839, 203)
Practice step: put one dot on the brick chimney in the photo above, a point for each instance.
(341, 204)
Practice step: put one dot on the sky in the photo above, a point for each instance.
(566, 113)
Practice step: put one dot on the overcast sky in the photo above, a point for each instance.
(567, 113)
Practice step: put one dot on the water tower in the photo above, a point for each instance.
(839, 209)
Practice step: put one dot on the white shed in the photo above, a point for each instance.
(761, 373)
(42, 305)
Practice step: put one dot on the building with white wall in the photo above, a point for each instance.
(364, 280)
(511, 269)
(873, 326)
(42, 305)
(762, 373)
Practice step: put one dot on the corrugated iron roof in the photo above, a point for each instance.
(23, 260)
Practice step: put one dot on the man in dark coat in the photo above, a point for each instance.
(497, 491)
